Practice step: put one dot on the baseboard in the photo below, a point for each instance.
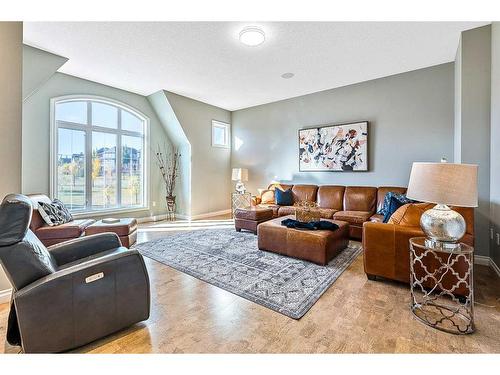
(161, 217)
(487, 261)
(495, 267)
(482, 260)
(149, 219)
(204, 216)
(5, 295)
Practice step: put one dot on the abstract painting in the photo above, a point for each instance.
(341, 147)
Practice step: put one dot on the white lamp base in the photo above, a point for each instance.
(240, 187)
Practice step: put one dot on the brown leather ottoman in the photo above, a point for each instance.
(317, 246)
(249, 218)
(126, 229)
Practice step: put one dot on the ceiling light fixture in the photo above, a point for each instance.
(287, 75)
(252, 36)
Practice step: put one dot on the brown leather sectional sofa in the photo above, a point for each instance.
(353, 204)
(385, 245)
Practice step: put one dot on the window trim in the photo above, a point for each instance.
(69, 125)
(227, 127)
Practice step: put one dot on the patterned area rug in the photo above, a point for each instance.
(232, 261)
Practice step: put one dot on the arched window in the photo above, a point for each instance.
(98, 152)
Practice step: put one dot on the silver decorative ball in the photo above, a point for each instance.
(442, 224)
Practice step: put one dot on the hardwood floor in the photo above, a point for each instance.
(354, 315)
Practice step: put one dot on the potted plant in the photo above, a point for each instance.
(167, 160)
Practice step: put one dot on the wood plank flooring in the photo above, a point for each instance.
(355, 315)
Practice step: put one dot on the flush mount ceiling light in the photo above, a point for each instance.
(252, 36)
(287, 75)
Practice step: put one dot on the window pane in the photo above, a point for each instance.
(72, 112)
(132, 158)
(104, 115)
(71, 168)
(104, 180)
(219, 135)
(131, 122)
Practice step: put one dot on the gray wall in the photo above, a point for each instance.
(11, 57)
(410, 115)
(36, 133)
(210, 166)
(495, 140)
(179, 140)
(473, 75)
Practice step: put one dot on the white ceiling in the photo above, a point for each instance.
(205, 60)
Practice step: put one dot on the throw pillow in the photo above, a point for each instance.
(267, 197)
(283, 198)
(392, 202)
(54, 213)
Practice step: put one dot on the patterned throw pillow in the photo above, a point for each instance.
(54, 213)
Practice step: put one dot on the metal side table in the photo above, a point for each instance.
(240, 200)
(442, 290)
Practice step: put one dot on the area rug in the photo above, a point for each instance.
(232, 261)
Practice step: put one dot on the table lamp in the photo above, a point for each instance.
(443, 184)
(240, 175)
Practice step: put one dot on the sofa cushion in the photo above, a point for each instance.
(273, 207)
(326, 213)
(73, 229)
(360, 198)
(286, 210)
(304, 193)
(331, 196)
(353, 217)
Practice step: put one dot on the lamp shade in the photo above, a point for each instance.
(240, 174)
(444, 183)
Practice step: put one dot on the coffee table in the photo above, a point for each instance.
(317, 246)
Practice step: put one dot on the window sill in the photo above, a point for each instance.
(107, 213)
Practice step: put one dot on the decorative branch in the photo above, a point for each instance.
(168, 162)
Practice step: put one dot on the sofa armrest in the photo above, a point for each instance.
(82, 247)
(386, 249)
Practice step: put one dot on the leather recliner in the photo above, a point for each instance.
(69, 294)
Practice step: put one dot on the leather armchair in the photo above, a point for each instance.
(69, 294)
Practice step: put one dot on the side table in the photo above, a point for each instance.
(441, 281)
(240, 200)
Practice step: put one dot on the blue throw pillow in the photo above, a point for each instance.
(283, 198)
(392, 202)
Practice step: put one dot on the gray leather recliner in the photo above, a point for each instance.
(71, 293)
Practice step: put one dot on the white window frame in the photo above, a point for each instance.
(227, 133)
(88, 128)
